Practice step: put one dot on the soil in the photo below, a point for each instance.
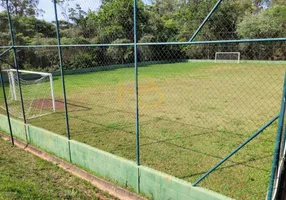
(48, 104)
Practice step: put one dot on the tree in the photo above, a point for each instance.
(77, 15)
(64, 6)
(165, 7)
(147, 53)
(114, 20)
(22, 7)
(278, 2)
(260, 4)
(106, 1)
(4, 29)
(119, 54)
(158, 21)
(269, 23)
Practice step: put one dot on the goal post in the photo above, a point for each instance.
(227, 57)
(52, 92)
(12, 84)
(37, 90)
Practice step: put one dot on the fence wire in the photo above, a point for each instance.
(197, 102)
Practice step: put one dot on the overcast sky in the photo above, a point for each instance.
(48, 8)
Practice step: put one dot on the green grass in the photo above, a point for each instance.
(191, 116)
(24, 176)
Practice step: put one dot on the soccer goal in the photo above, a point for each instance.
(227, 57)
(37, 91)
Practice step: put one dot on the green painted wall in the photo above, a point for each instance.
(18, 127)
(122, 171)
(4, 124)
(49, 141)
(161, 186)
(152, 183)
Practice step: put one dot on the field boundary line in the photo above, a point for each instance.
(101, 184)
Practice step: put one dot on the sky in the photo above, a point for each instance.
(48, 8)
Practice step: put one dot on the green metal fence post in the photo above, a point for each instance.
(237, 149)
(5, 100)
(16, 61)
(205, 20)
(6, 106)
(136, 85)
(136, 94)
(62, 69)
(278, 141)
(6, 51)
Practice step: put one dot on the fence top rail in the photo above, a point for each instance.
(223, 52)
(154, 43)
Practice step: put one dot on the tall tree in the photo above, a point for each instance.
(106, 1)
(23, 7)
(260, 4)
(64, 6)
(269, 23)
(76, 14)
(114, 20)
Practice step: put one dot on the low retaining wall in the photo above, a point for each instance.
(158, 185)
(48, 141)
(153, 184)
(107, 165)
(17, 126)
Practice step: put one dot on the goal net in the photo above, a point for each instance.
(37, 91)
(227, 57)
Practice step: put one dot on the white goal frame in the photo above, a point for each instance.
(12, 78)
(236, 53)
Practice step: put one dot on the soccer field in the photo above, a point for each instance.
(191, 115)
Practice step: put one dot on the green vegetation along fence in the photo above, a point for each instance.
(189, 88)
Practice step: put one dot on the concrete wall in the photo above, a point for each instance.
(154, 184)
(107, 165)
(18, 127)
(158, 185)
(48, 141)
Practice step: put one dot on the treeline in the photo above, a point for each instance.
(157, 21)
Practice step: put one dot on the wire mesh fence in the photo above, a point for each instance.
(197, 100)
(207, 109)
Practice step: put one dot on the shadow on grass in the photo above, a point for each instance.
(126, 146)
(234, 164)
(167, 141)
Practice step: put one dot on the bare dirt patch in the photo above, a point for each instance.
(48, 103)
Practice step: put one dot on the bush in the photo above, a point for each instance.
(82, 60)
(120, 54)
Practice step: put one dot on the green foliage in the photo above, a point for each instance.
(81, 60)
(22, 7)
(268, 23)
(120, 54)
(147, 53)
(4, 29)
(160, 21)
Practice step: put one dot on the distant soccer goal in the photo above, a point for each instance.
(37, 90)
(227, 57)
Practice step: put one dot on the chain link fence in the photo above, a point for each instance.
(188, 101)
